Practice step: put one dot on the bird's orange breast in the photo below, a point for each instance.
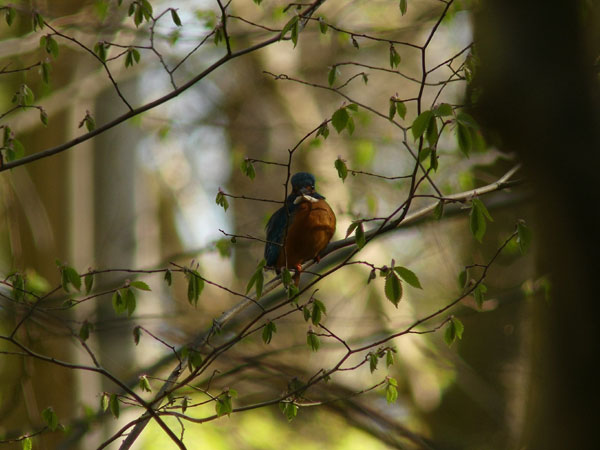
(311, 230)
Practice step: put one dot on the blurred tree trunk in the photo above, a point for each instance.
(540, 95)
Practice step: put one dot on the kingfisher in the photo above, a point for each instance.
(299, 230)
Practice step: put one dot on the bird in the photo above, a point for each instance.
(299, 230)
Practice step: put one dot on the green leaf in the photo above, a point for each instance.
(524, 236)
(286, 276)
(361, 239)
(464, 139)
(168, 277)
(306, 313)
(409, 276)
(175, 17)
(10, 15)
(288, 26)
(144, 384)
(323, 131)
(392, 110)
(454, 331)
(27, 443)
(118, 302)
(443, 110)
(340, 119)
(479, 294)
(394, 57)
(438, 212)
(313, 341)
(114, 406)
(18, 287)
(100, 50)
(352, 227)
(289, 409)
(223, 405)
(221, 200)
(294, 35)
(137, 334)
(84, 331)
(140, 285)
(391, 390)
(129, 298)
(248, 168)
(43, 117)
(50, 418)
(393, 288)
(340, 166)
(268, 331)
(45, 72)
(373, 360)
(389, 358)
(104, 400)
(322, 25)
(403, 6)
(317, 311)
(478, 216)
(257, 279)
(365, 78)
(401, 109)
(432, 132)
(421, 124)
(195, 286)
(70, 276)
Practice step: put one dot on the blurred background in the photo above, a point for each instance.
(142, 195)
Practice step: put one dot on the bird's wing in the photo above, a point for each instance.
(275, 230)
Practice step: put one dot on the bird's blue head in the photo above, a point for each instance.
(303, 182)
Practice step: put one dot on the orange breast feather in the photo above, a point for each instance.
(311, 230)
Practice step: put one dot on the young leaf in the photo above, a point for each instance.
(373, 360)
(289, 409)
(394, 57)
(140, 285)
(313, 341)
(479, 294)
(340, 119)
(443, 110)
(248, 168)
(195, 286)
(84, 331)
(391, 390)
(393, 288)
(409, 276)
(463, 136)
(10, 15)
(524, 236)
(401, 109)
(340, 166)
(168, 277)
(477, 221)
(454, 331)
(257, 279)
(175, 17)
(223, 405)
(288, 26)
(322, 25)
(432, 132)
(221, 200)
(323, 131)
(361, 239)
(50, 418)
(144, 384)
(389, 358)
(137, 334)
(317, 311)
(100, 50)
(27, 444)
(403, 6)
(129, 298)
(113, 404)
(268, 331)
(421, 124)
(438, 212)
(392, 110)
